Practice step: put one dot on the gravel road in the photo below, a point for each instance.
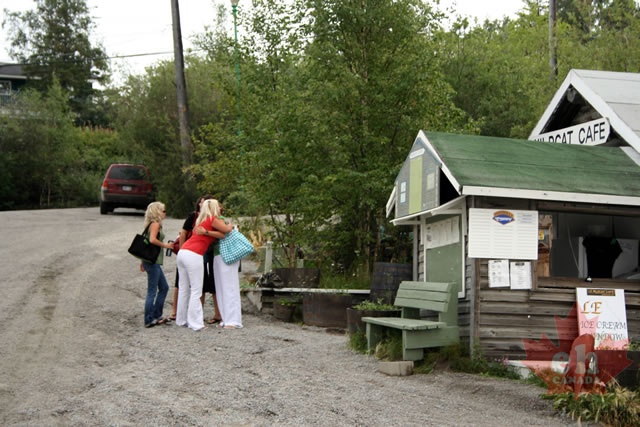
(75, 353)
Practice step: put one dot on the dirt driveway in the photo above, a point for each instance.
(74, 351)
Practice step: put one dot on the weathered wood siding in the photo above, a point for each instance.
(506, 316)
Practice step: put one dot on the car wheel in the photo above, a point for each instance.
(104, 208)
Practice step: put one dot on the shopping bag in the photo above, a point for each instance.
(234, 247)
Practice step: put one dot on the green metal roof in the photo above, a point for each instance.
(483, 165)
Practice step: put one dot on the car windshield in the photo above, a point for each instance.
(127, 173)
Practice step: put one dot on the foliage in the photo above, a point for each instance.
(378, 305)
(390, 346)
(335, 280)
(458, 358)
(358, 342)
(48, 175)
(618, 406)
(331, 95)
(292, 300)
(500, 69)
(54, 42)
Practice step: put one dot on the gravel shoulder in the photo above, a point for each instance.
(75, 351)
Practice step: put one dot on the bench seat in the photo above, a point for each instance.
(405, 324)
(418, 333)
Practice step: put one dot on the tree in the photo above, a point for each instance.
(43, 159)
(53, 41)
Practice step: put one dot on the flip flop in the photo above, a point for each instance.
(172, 317)
(213, 321)
(163, 320)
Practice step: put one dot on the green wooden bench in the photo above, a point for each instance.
(418, 334)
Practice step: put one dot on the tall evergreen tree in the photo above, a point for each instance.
(53, 41)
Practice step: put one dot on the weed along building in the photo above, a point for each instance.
(518, 225)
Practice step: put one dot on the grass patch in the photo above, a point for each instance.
(389, 348)
(379, 305)
(358, 342)
(618, 406)
(330, 280)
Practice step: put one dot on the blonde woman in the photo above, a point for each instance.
(227, 289)
(157, 286)
(208, 228)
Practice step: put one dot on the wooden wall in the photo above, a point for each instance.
(506, 317)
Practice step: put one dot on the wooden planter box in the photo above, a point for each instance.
(328, 310)
(299, 277)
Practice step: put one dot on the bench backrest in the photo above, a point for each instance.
(434, 296)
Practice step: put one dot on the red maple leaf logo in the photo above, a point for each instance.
(573, 365)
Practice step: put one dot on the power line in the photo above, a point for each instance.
(133, 55)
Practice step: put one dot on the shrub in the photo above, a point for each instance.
(379, 305)
(358, 342)
(390, 347)
(618, 406)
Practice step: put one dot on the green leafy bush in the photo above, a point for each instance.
(358, 342)
(378, 305)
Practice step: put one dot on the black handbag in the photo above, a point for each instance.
(142, 248)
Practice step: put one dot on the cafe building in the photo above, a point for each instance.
(520, 225)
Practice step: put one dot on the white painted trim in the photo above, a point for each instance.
(451, 207)
(633, 154)
(391, 203)
(553, 105)
(443, 166)
(603, 199)
(620, 127)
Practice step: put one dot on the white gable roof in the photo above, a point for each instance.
(614, 95)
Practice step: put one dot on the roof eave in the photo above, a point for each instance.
(454, 206)
(516, 193)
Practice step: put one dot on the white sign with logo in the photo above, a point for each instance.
(602, 313)
(595, 132)
(503, 234)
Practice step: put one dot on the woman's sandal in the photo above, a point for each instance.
(213, 321)
(163, 320)
(172, 317)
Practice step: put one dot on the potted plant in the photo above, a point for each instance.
(286, 308)
(368, 308)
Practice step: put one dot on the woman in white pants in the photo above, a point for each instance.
(228, 292)
(190, 264)
(227, 282)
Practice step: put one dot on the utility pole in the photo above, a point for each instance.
(553, 51)
(181, 87)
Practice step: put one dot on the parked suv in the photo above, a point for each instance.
(126, 186)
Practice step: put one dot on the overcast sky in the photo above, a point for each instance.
(134, 27)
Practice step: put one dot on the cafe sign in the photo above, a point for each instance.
(595, 132)
(602, 313)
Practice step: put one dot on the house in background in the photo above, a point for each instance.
(12, 79)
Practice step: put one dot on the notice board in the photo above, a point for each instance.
(503, 234)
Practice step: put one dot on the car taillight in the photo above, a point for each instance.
(104, 184)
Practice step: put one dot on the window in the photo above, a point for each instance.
(5, 87)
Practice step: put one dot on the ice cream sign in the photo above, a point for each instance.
(595, 132)
(602, 313)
